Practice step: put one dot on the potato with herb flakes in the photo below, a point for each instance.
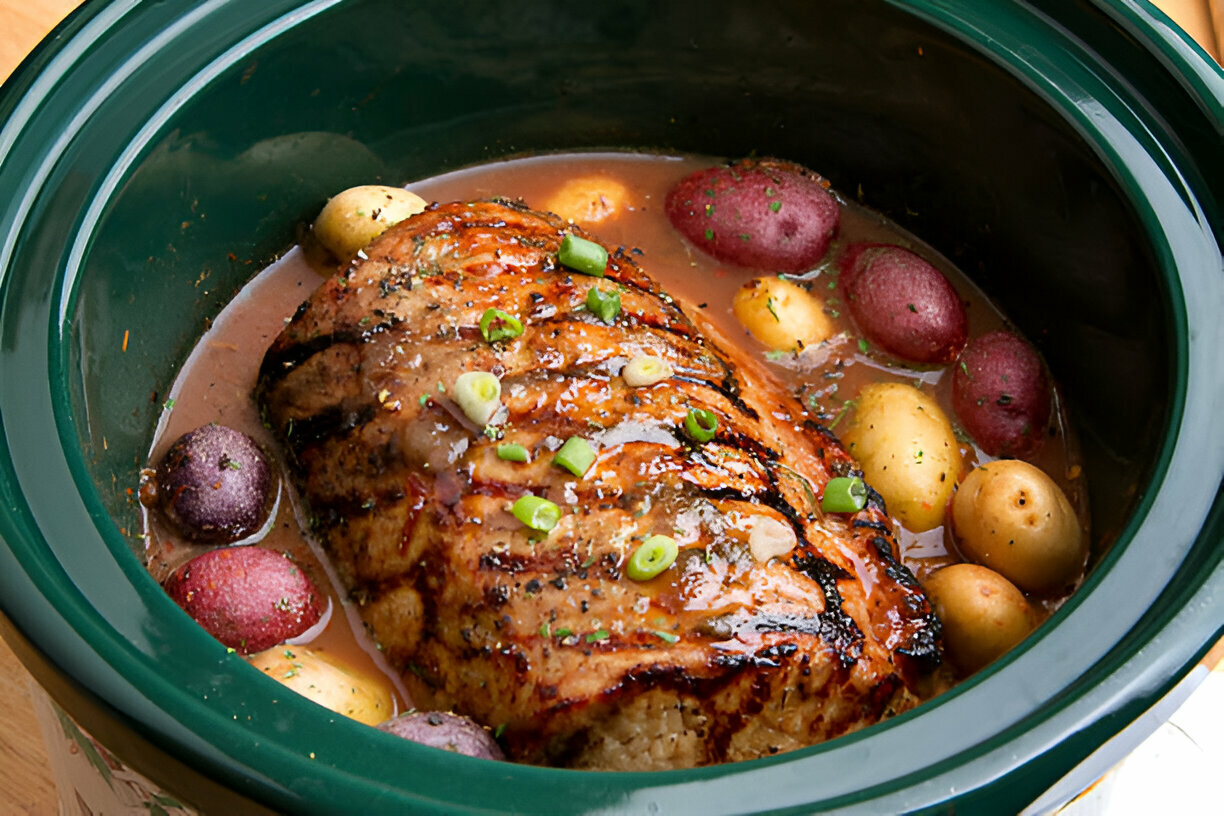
(1010, 516)
(329, 683)
(902, 303)
(1002, 395)
(759, 213)
(247, 597)
(445, 731)
(588, 200)
(356, 216)
(215, 485)
(983, 614)
(781, 314)
(908, 452)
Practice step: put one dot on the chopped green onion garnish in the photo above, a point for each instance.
(512, 453)
(700, 424)
(496, 325)
(537, 513)
(844, 494)
(576, 455)
(601, 634)
(478, 395)
(646, 370)
(656, 554)
(665, 636)
(583, 256)
(604, 305)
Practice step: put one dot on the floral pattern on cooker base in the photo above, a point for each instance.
(88, 777)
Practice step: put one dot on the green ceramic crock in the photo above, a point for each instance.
(1068, 154)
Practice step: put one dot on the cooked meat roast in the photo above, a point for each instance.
(777, 626)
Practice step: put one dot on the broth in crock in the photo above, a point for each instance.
(620, 199)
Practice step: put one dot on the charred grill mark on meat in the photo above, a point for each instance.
(545, 633)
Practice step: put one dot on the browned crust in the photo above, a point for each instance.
(545, 635)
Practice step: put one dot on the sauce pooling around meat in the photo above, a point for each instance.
(217, 382)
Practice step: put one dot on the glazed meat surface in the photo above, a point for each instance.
(731, 653)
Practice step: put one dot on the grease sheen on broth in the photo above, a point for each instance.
(216, 382)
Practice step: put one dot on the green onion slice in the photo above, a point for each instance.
(844, 494)
(576, 456)
(656, 554)
(583, 256)
(645, 370)
(512, 453)
(496, 325)
(700, 424)
(604, 305)
(537, 513)
(478, 395)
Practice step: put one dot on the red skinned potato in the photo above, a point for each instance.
(1001, 394)
(444, 730)
(760, 213)
(247, 597)
(903, 304)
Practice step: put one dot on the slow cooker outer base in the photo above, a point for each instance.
(111, 245)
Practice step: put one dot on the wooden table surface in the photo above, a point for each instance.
(25, 776)
(26, 786)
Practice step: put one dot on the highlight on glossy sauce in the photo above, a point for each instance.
(953, 421)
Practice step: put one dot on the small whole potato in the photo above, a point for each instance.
(214, 485)
(781, 314)
(908, 452)
(1010, 516)
(356, 216)
(903, 304)
(247, 597)
(1001, 394)
(982, 613)
(760, 213)
(589, 200)
(447, 731)
(328, 682)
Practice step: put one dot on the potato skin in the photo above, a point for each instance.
(354, 217)
(760, 213)
(903, 304)
(446, 731)
(982, 613)
(214, 485)
(588, 200)
(1010, 516)
(247, 597)
(781, 314)
(327, 682)
(1001, 394)
(907, 450)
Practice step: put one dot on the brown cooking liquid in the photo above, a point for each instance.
(217, 381)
